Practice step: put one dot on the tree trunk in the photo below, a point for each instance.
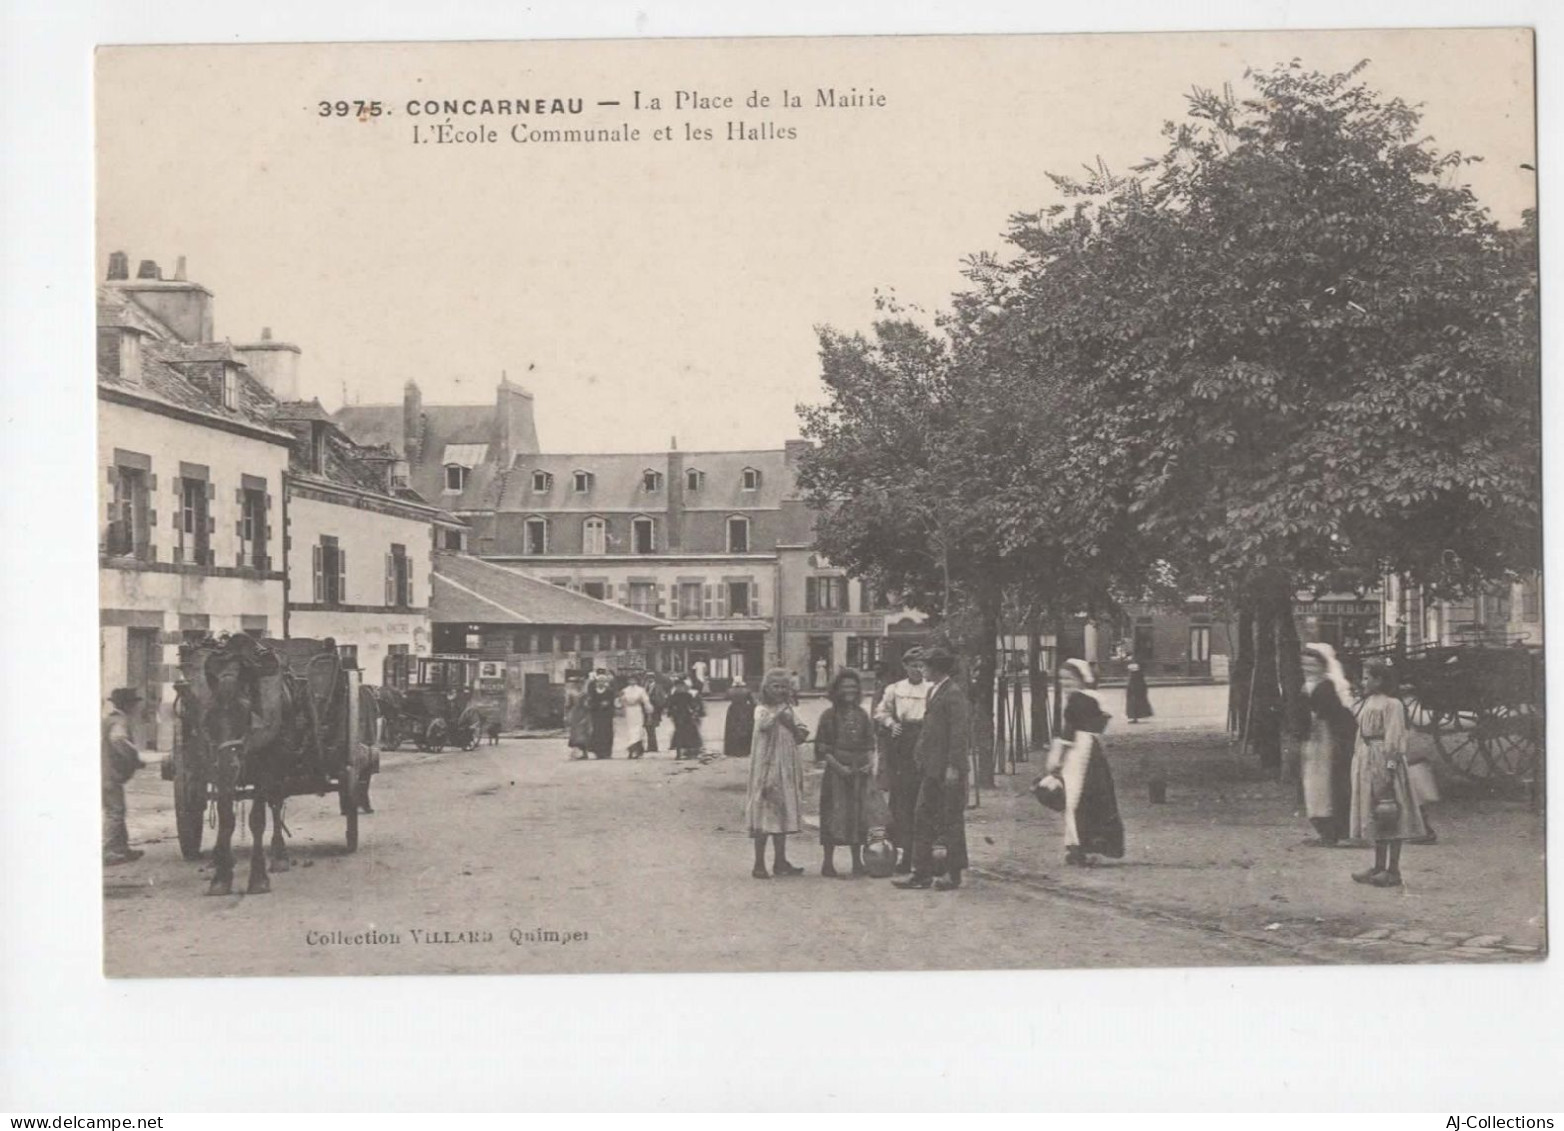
(983, 683)
(1265, 711)
(1289, 671)
(1037, 684)
(1241, 672)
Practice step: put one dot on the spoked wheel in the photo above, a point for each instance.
(1495, 742)
(347, 793)
(189, 808)
(434, 737)
(1419, 716)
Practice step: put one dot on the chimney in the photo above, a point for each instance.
(675, 487)
(515, 430)
(412, 422)
(318, 430)
(179, 269)
(183, 306)
(119, 266)
(274, 364)
(266, 331)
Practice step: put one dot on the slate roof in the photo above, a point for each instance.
(617, 486)
(179, 374)
(444, 426)
(470, 590)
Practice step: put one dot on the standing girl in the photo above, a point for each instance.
(1384, 808)
(1091, 808)
(845, 742)
(1327, 746)
(774, 806)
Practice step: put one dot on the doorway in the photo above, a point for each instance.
(819, 675)
(142, 661)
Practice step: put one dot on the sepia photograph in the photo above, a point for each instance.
(837, 504)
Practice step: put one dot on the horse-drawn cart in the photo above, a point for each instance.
(262, 721)
(1480, 702)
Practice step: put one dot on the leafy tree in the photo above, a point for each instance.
(1296, 346)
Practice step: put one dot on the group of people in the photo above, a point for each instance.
(922, 745)
(1360, 782)
(643, 701)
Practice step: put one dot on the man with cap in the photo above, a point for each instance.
(120, 761)
(939, 816)
(899, 716)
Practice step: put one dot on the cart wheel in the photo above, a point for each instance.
(1419, 717)
(347, 793)
(1496, 742)
(434, 737)
(189, 809)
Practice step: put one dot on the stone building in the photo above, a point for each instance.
(191, 474)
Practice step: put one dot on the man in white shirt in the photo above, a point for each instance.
(900, 718)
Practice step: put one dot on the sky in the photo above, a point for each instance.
(666, 288)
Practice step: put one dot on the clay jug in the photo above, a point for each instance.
(879, 856)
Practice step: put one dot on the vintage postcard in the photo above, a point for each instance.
(888, 503)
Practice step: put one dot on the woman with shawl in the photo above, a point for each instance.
(774, 806)
(1076, 760)
(600, 700)
(738, 730)
(1326, 758)
(845, 743)
(1137, 698)
(685, 709)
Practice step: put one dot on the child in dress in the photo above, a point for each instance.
(1379, 779)
(773, 807)
(845, 743)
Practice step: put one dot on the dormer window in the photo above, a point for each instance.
(455, 477)
(693, 479)
(401, 475)
(542, 482)
(751, 479)
(583, 482)
(230, 387)
(651, 481)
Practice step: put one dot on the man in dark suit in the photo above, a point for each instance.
(942, 752)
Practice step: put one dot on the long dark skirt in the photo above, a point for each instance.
(602, 741)
(844, 809)
(900, 778)
(1097, 820)
(686, 732)
(1137, 699)
(738, 732)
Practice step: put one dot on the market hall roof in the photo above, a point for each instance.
(469, 590)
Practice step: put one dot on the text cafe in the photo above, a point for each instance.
(729, 655)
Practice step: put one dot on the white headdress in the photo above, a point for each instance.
(1333, 670)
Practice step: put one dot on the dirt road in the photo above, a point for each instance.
(515, 859)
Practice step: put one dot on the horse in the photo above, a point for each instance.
(237, 700)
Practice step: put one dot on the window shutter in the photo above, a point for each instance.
(342, 577)
(211, 491)
(113, 475)
(706, 603)
(811, 594)
(390, 580)
(319, 589)
(152, 483)
(673, 601)
(754, 599)
(722, 600)
(624, 593)
(239, 495)
(657, 599)
(239, 529)
(151, 518)
(179, 488)
(411, 592)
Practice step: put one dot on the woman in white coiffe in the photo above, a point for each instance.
(1091, 809)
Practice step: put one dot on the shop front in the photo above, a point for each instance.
(818, 645)
(727, 655)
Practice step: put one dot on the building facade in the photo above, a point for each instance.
(191, 474)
